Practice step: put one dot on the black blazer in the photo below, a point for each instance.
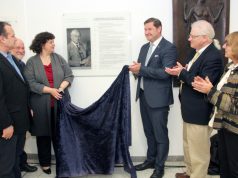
(195, 107)
(157, 83)
(14, 98)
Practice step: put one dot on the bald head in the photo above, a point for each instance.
(19, 49)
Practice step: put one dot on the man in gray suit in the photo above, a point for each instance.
(78, 52)
(154, 89)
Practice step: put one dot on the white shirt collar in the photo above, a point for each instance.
(4, 54)
(156, 42)
(202, 49)
(233, 66)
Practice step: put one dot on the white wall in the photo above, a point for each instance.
(30, 17)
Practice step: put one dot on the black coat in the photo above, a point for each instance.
(14, 94)
(195, 106)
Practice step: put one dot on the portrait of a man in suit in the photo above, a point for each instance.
(79, 51)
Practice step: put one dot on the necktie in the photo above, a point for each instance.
(9, 58)
(149, 54)
(193, 60)
(150, 50)
(188, 68)
(81, 54)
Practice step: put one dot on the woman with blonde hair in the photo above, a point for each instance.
(224, 97)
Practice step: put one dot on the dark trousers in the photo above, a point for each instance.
(23, 155)
(155, 127)
(10, 151)
(7, 157)
(43, 144)
(228, 154)
(23, 158)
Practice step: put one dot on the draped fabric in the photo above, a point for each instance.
(94, 139)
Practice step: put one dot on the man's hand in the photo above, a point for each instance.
(8, 132)
(175, 70)
(135, 67)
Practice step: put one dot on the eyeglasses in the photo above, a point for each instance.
(194, 36)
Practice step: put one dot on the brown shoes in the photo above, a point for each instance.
(182, 175)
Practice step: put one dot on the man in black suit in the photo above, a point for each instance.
(19, 52)
(154, 89)
(205, 60)
(14, 115)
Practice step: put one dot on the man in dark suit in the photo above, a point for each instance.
(205, 60)
(154, 89)
(14, 115)
(19, 52)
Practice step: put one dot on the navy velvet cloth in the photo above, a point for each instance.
(94, 139)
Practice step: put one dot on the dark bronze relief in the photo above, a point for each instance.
(185, 12)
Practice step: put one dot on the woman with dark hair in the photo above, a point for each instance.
(224, 97)
(48, 75)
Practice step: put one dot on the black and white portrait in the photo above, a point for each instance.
(79, 47)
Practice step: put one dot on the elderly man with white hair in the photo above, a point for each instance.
(205, 60)
(78, 52)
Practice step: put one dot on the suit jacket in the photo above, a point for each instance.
(195, 106)
(14, 94)
(40, 102)
(74, 54)
(157, 83)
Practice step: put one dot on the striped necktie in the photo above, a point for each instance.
(195, 57)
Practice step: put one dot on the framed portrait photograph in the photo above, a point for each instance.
(79, 47)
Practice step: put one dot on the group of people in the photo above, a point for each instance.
(28, 99)
(209, 99)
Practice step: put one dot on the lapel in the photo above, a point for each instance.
(156, 51)
(39, 65)
(200, 58)
(42, 73)
(5, 61)
(54, 58)
(144, 54)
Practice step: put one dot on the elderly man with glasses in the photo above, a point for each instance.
(205, 60)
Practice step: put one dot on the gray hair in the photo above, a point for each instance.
(75, 31)
(205, 28)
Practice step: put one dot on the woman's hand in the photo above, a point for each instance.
(202, 85)
(55, 93)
